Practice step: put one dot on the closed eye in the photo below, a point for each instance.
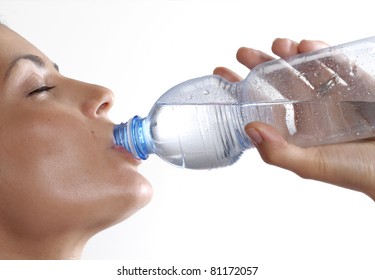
(40, 90)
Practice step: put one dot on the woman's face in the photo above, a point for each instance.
(59, 169)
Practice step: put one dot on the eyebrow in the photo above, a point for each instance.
(37, 60)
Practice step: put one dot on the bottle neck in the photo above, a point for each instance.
(131, 136)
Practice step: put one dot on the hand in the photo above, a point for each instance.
(350, 165)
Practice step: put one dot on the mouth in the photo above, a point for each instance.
(127, 155)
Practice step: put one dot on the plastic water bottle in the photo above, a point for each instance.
(322, 97)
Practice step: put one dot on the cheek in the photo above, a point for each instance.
(58, 167)
(40, 141)
(39, 150)
(45, 148)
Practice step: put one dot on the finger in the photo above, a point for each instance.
(318, 80)
(275, 150)
(251, 57)
(313, 70)
(311, 45)
(308, 79)
(309, 68)
(284, 47)
(328, 164)
(335, 75)
(352, 73)
(227, 74)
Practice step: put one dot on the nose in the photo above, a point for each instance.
(99, 103)
(94, 101)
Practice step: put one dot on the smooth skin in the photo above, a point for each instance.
(349, 165)
(62, 179)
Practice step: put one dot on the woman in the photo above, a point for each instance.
(62, 180)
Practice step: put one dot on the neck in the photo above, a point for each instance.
(57, 247)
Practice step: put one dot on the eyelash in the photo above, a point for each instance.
(40, 90)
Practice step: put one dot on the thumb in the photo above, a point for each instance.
(275, 150)
(328, 163)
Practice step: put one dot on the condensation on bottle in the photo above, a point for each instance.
(317, 98)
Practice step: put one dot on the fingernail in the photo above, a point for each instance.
(255, 136)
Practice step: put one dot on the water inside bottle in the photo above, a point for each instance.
(205, 136)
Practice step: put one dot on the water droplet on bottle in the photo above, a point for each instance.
(206, 92)
(353, 70)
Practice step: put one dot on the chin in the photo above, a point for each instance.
(118, 197)
(117, 209)
(144, 193)
(134, 198)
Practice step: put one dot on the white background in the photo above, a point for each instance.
(250, 213)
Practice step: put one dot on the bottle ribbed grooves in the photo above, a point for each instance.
(130, 136)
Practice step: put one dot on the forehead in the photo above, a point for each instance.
(13, 45)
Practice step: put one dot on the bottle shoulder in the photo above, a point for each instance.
(202, 90)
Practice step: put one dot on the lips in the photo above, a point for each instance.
(128, 156)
